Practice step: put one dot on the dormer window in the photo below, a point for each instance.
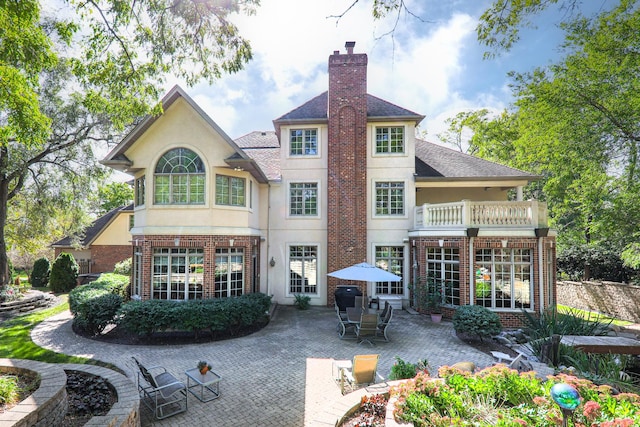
(390, 140)
(303, 142)
(179, 178)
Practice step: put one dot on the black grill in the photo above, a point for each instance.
(346, 296)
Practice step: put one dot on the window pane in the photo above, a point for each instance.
(303, 269)
(229, 272)
(303, 199)
(390, 140)
(175, 175)
(503, 278)
(390, 258)
(303, 142)
(443, 268)
(389, 198)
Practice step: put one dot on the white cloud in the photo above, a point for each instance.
(420, 68)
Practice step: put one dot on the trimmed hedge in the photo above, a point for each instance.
(218, 314)
(95, 305)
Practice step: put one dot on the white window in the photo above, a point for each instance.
(389, 198)
(136, 289)
(303, 142)
(139, 191)
(177, 273)
(303, 199)
(229, 281)
(391, 259)
(390, 140)
(504, 278)
(303, 269)
(230, 191)
(443, 272)
(179, 178)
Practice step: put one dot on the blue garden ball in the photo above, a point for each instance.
(565, 396)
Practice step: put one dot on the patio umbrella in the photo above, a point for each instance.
(365, 273)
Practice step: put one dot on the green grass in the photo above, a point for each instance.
(590, 315)
(15, 339)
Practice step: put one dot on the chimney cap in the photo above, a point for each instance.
(349, 46)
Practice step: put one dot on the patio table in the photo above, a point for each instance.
(208, 385)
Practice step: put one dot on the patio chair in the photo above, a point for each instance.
(164, 395)
(384, 322)
(362, 372)
(367, 329)
(358, 301)
(511, 362)
(343, 323)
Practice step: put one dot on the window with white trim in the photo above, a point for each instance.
(179, 178)
(230, 190)
(391, 259)
(443, 268)
(136, 266)
(504, 278)
(303, 142)
(390, 140)
(303, 269)
(139, 190)
(389, 198)
(177, 273)
(229, 280)
(303, 199)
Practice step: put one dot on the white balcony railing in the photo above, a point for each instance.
(482, 214)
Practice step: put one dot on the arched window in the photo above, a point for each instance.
(179, 178)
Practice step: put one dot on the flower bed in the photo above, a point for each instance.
(499, 396)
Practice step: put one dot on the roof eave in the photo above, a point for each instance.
(416, 118)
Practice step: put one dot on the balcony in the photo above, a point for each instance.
(465, 214)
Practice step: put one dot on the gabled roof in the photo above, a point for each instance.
(315, 110)
(435, 162)
(95, 229)
(117, 159)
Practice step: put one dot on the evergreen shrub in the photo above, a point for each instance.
(64, 273)
(40, 273)
(476, 320)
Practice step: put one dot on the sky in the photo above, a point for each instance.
(432, 65)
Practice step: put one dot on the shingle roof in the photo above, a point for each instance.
(94, 230)
(263, 148)
(316, 109)
(436, 161)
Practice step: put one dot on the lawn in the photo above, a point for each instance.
(15, 338)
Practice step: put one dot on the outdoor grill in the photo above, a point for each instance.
(345, 296)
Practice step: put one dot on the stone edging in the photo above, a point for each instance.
(47, 405)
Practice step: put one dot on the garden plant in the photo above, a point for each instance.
(499, 396)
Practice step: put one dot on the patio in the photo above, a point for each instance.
(279, 376)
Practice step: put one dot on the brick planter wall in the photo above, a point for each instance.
(47, 406)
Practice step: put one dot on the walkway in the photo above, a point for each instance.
(279, 376)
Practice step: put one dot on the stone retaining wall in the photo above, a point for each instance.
(619, 300)
(47, 406)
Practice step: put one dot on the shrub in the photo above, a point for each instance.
(64, 273)
(219, 314)
(9, 293)
(402, 370)
(40, 273)
(476, 320)
(123, 267)
(95, 305)
(302, 301)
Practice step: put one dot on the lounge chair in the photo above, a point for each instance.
(367, 329)
(164, 395)
(362, 372)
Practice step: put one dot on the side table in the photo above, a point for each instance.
(207, 386)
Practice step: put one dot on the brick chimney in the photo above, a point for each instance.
(347, 163)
